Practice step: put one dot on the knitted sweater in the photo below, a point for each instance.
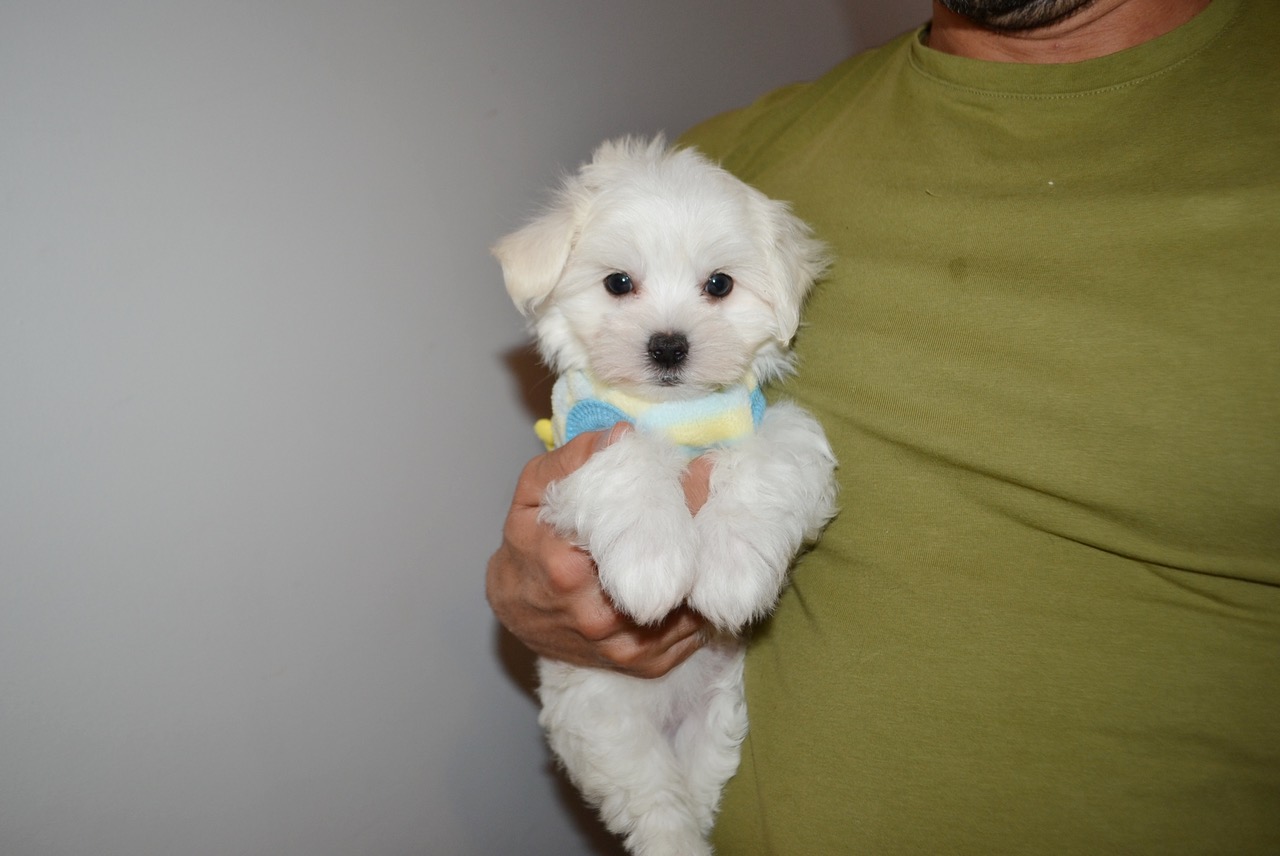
(580, 403)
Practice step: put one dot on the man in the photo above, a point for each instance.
(1047, 618)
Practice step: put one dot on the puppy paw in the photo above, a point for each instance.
(626, 507)
(740, 570)
(648, 569)
(769, 495)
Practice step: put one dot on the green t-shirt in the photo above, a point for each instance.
(1047, 618)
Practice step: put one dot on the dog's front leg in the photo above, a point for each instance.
(769, 495)
(626, 507)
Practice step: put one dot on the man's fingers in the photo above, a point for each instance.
(597, 620)
(649, 652)
(563, 461)
(696, 482)
(552, 466)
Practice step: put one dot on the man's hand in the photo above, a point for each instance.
(546, 592)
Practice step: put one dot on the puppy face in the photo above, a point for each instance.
(661, 274)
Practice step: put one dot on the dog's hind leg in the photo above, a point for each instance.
(608, 732)
(709, 740)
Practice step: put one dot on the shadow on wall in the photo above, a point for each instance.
(533, 382)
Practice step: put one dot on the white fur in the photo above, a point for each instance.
(654, 755)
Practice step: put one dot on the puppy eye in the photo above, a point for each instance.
(718, 284)
(618, 284)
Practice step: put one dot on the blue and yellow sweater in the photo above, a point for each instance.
(580, 403)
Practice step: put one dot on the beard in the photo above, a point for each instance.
(1015, 15)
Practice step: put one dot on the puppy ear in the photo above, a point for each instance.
(794, 260)
(534, 257)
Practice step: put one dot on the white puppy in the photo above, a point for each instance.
(663, 291)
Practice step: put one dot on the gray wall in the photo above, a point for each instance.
(262, 400)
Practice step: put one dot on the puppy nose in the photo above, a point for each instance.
(668, 349)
